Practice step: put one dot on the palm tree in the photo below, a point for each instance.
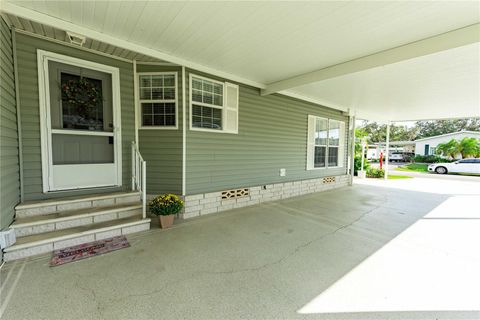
(449, 149)
(469, 147)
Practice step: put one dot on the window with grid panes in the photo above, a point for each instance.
(207, 103)
(326, 143)
(158, 95)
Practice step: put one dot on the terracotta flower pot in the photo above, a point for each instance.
(166, 221)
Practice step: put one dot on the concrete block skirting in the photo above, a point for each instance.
(201, 204)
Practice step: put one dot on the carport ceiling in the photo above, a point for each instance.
(265, 43)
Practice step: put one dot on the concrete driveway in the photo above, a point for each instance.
(399, 249)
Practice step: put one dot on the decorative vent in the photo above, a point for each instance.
(77, 39)
(236, 193)
(329, 180)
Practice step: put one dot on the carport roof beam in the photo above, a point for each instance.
(449, 40)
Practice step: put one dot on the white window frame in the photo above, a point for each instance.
(223, 107)
(311, 154)
(140, 101)
(206, 104)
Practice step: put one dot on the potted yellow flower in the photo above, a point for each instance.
(166, 206)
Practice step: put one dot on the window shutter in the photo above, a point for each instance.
(310, 141)
(231, 108)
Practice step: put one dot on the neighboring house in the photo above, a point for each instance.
(428, 146)
(406, 147)
(218, 143)
(425, 146)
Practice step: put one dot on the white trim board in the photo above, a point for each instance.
(43, 58)
(184, 134)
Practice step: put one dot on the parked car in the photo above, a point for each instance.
(460, 166)
(401, 156)
(396, 157)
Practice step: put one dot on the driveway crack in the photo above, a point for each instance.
(93, 294)
(297, 249)
(253, 269)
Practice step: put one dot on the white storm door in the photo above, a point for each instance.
(81, 144)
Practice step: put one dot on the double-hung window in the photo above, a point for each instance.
(213, 105)
(326, 143)
(158, 100)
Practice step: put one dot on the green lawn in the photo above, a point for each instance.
(415, 167)
(395, 177)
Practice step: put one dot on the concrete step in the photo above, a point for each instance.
(49, 241)
(45, 207)
(31, 225)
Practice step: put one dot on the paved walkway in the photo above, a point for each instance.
(378, 251)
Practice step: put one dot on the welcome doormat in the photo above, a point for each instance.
(87, 250)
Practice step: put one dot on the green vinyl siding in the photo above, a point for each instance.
(162, 148)
(272, 135)
(28, 87)
(9, 161)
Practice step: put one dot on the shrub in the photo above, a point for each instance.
(166, 204)
(375, 173)
(358, 164)
(430, 159)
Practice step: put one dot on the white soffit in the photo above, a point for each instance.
(438, 86)
(55, 34)
(264, 41)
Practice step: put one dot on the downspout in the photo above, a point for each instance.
(19, 122)
(184, 136)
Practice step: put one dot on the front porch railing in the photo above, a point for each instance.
(139, 176)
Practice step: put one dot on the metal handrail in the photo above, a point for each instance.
(139, 176)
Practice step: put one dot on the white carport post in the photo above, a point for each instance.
(387, 147)
(352, 156)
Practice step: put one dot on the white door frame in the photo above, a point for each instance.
(43, 58)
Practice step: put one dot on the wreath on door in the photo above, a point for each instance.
(82, 94)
